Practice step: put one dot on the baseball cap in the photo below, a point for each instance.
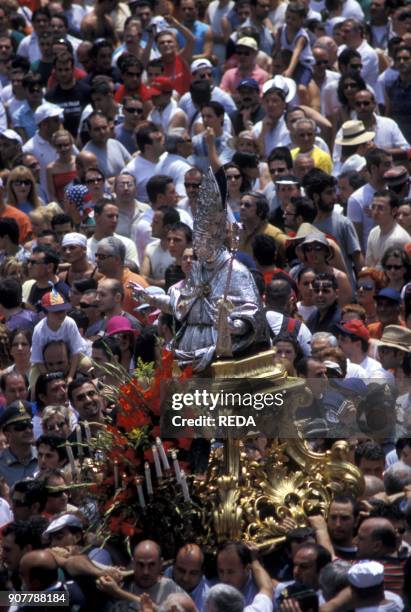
(160, 85)
(250, 83)
(390, 294)
(46, 111)
(152, 290)
(52, 301)
(12, 135)
(63, 521)
(354, 328)
(198, 64)
(248, 42)
(354, 163)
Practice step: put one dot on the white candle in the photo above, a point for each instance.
(140, 493)
(147, 474)
(184, 487)
(87, 432)
(162, 454)
(176, 466)
(79, 441)
(116, 476)
(71, 460)
(157, 464)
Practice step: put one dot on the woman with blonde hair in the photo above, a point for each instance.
(22, 190)
(63, 170)
(56, 421)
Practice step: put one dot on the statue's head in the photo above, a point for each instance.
(210, 221)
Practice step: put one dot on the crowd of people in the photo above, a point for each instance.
(111, 113)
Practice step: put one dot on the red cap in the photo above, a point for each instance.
(355, 328)
(160, 85)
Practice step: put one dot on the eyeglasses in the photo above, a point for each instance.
(85, 306)
(393, 267)
(233, 177)
(380, 207)
(246, 53)
(133, 74)
(355, 66)
(94, 181)
(315, 247)
(22, 426)
(102, 256)
(192, 185)
(366, 287)
(277, 170)
(22, 182)
(134, 111)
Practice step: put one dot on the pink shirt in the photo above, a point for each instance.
(232, 78)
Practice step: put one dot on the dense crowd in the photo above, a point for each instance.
(110, 115)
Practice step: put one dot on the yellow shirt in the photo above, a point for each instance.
(322, 160)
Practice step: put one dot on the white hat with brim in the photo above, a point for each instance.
(12, 135)
(318, 238)
(66, 520)
(285, 84)
(354, 133)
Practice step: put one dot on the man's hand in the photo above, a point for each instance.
(317, 522)
(108, 585)
(287, 524)
(147, 605)
(290, 605)
(253, 548)
(209, 136)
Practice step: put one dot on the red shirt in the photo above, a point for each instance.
(142, 93)
(180, 75)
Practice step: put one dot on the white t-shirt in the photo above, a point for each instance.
(359, 210)
(131, 251)
(378, 243)
(260, 603)
(142, 169)
(159, 258)
(375, 370)
(275, 320)
(67, 332)
(278, 137)
(6, 514)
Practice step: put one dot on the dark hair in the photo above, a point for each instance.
(42, 383)
(54, 443)
(25, 533)
(56, 343)
(58, 40)
(368, 450)
(6, 375)
(375, 157)
(11, 294)
(34, 493)
(85, 284)
(102, 203)
(182, 227)
(301, 366)
(262, 206)
(401, 254)
(315, 181)
(145, 345)
(109, 345)
(278, 292)
(127, 60)
(171, 215)
(216, 107)
(15, 332)
(400, 444)
(281, 154)
(31, 79)
(351, 75)
(61, 218)
(44, 11)
(393, 199)
(64, 57)
(264, 250)
(100, 44)
(355, 179)
(323, 556)
(288, 337)
(80, 318)
(157, 185)
(326, 276)
(50, 256)
(143, 134)
(344, 498)
(9, 227)
(346, 56)
(298, 8)
(240, 548)
(298, 536)
(79, 381)
(304, 207)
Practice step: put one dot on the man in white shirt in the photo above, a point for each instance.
(106, 217)
(174, 163)
(129, 209)
(272, 130)
(29, 46)
(388, 232)
(150, 142)
(353, 339)
(354, 36)
(111, 155)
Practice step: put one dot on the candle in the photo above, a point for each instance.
(176, 466)
(184, 487)
(147, 474)
(157, 465)
(71, 460)
(124, 480)
(116, 476)
(87, 432)
(79, 441)
(162, 454)
(140, 493)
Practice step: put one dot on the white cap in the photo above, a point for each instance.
(47, 110)
(287, 85)
(74, 239)
(65, 520)
(198, 64)
(366, 574)
(354, 163)
(152, 290)
(12, 135)
(247, 41)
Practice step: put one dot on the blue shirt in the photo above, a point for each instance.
(199, 30)
(12, 470)
(24, 118)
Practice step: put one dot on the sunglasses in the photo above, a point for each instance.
(84, 305)
(21, 182)
(102, 256)
(393, 267)
(363, 103)
(366, 287)
(57, 493)
(133, 74)
(206, 75)
(23, 426)
(134, 111)
(94, 181)
(193, 185)
(35, 89)
(315, 247)
(233, 177)
(246, 53)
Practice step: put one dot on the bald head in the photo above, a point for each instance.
(376, 538)
(373, 485)
(147, 564)
(178, 601)
(329, 44)
(38, 569)
(85, 160)
(188, 567)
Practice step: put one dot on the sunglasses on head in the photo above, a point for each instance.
(22, 426)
